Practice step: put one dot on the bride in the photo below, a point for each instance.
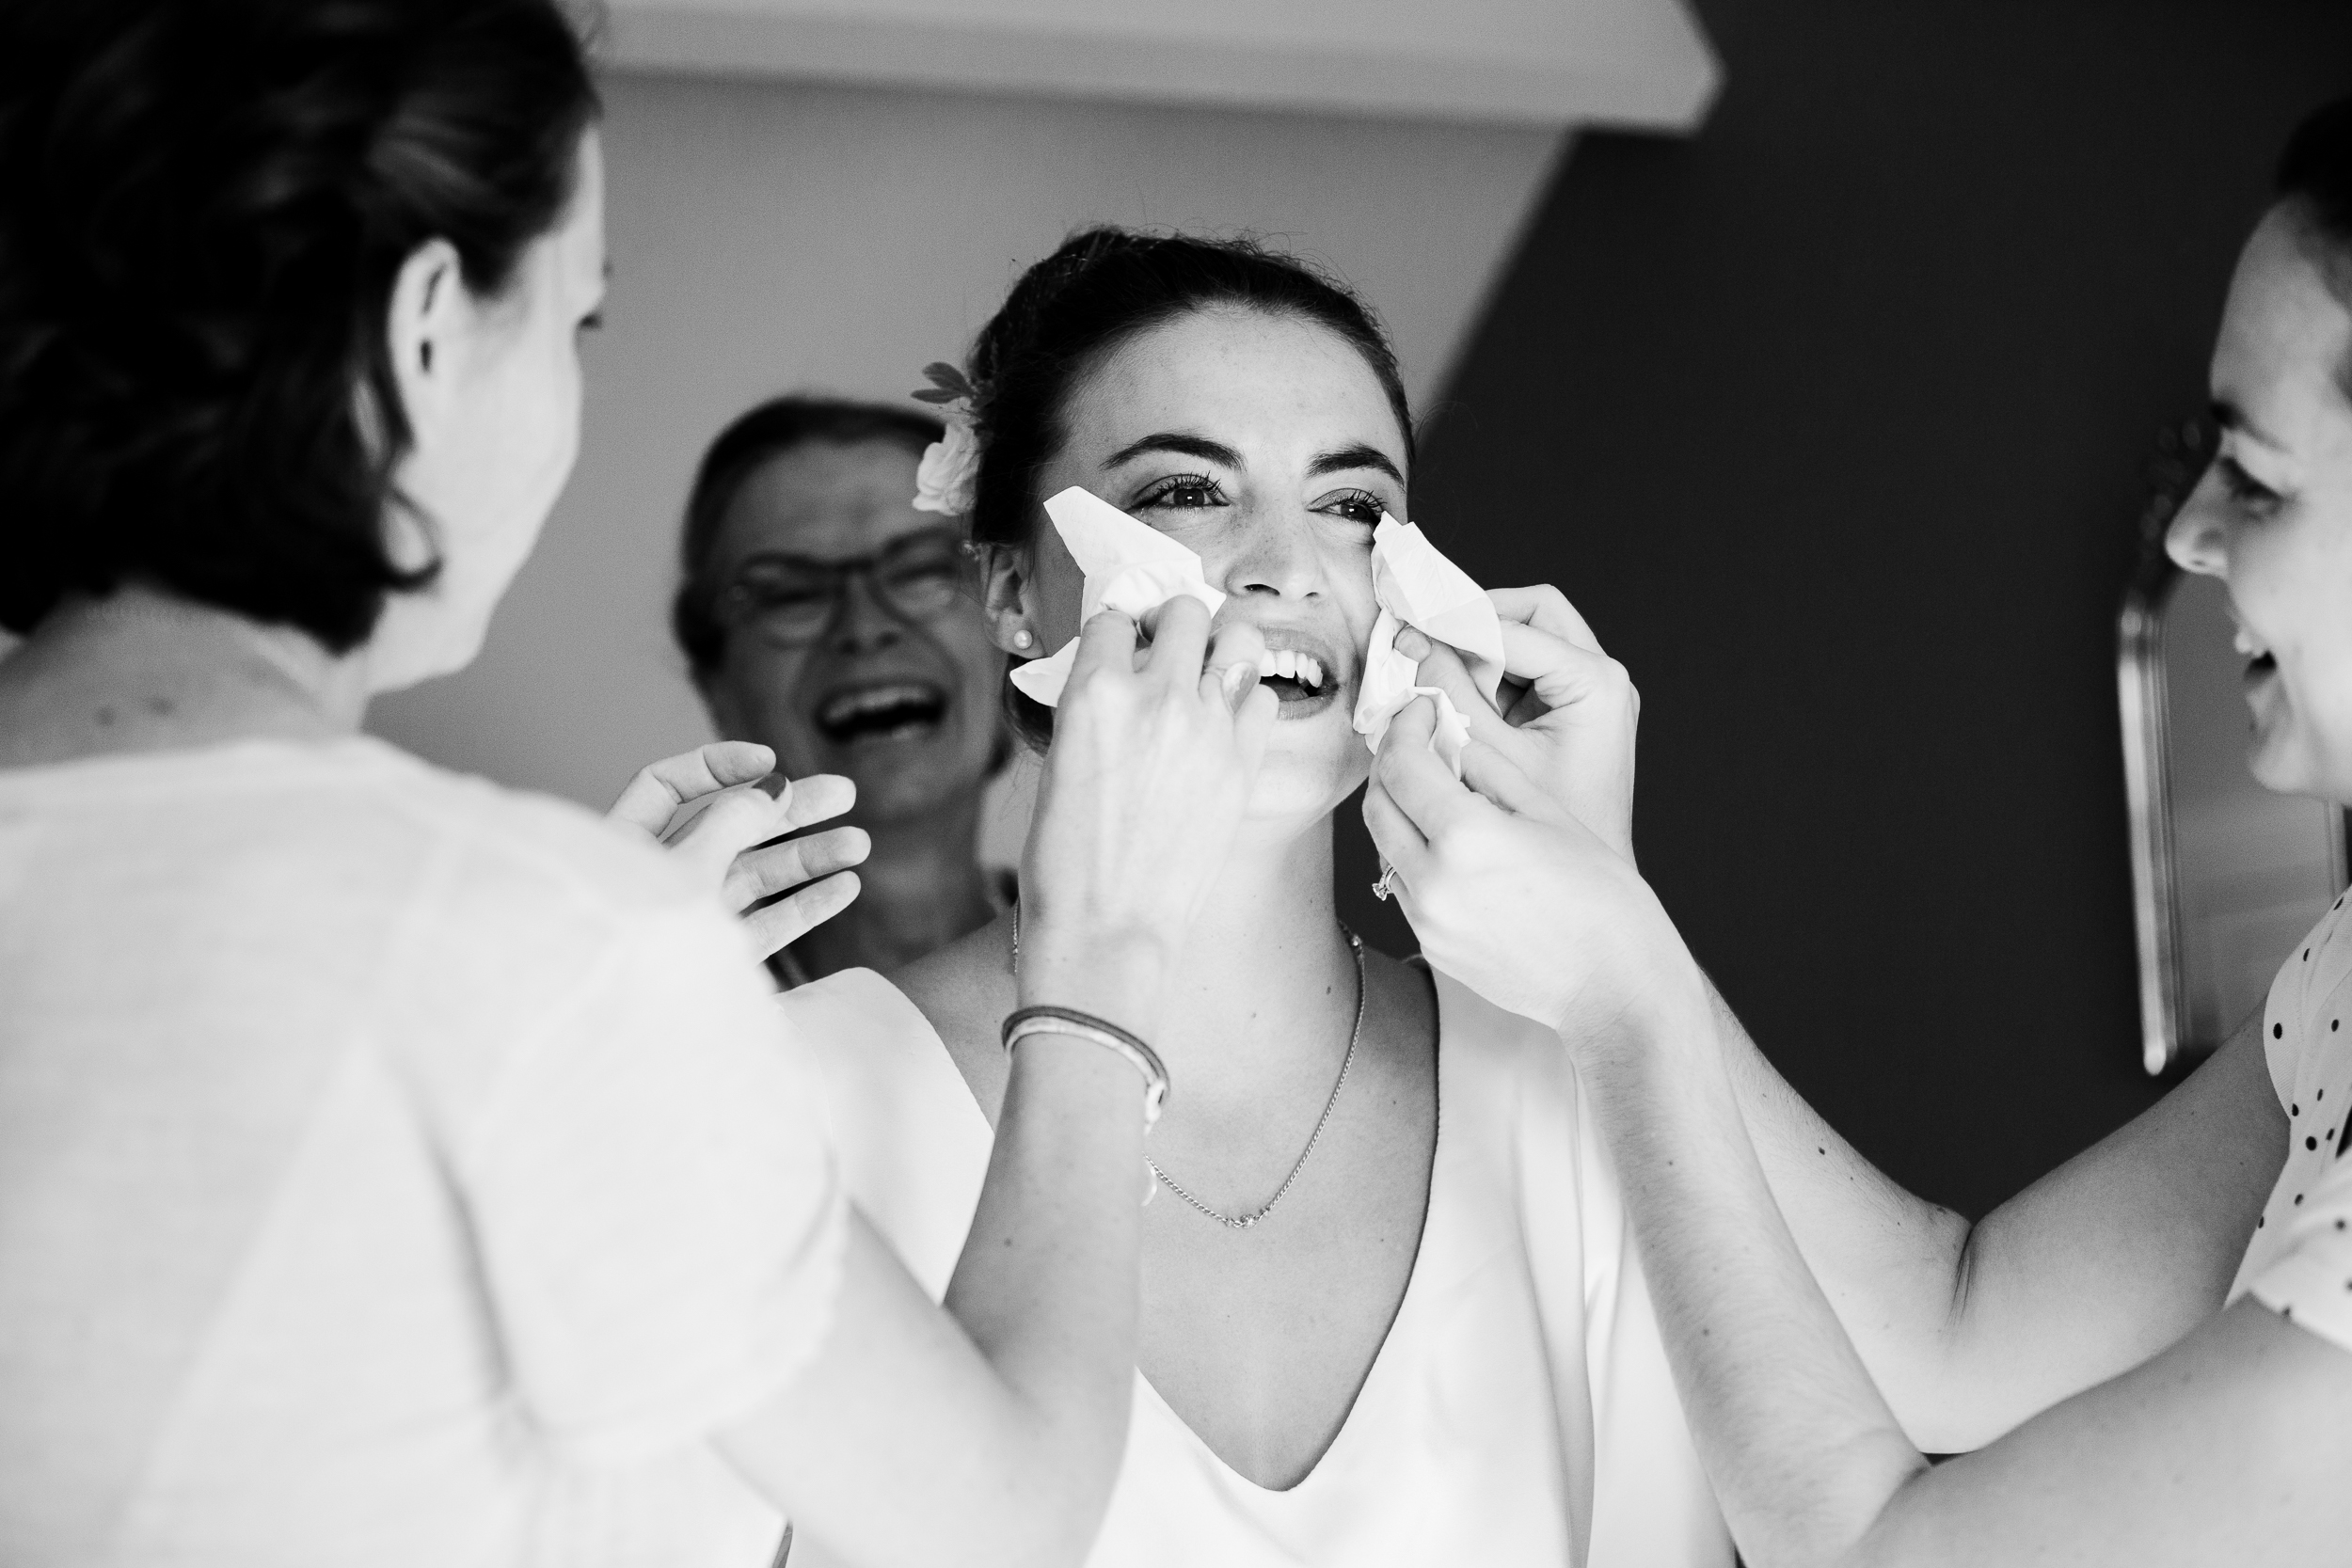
(1391, 1312)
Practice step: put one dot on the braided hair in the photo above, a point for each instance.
(205, 206)
(1072, 311)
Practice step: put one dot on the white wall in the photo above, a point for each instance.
(767, 237)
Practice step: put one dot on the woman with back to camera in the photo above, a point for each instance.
(2147, 1355)
(1390, 1315)
(395, 1169)
(824, 616)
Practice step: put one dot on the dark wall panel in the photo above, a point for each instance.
(1834, 421)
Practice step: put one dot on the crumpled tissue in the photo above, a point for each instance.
(1418, 587)
(1129, 568)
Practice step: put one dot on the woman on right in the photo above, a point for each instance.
(2146, 1356)
(1390, 1313)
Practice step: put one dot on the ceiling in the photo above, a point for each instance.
(1632, 63)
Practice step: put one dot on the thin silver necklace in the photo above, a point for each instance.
(1242, 1222)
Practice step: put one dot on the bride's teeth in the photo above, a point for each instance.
(1290, 664)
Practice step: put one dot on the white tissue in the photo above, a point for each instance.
(1418, 587)
(1129, 568)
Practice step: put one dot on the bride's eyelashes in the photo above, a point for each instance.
(1357, 506)
(1179, 492)
(1199, 491)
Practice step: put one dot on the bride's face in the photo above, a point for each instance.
(1265, 445)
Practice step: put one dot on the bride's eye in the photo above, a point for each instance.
(1357, 506)
(1181, 492)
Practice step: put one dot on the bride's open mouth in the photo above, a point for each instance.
(1306, 680)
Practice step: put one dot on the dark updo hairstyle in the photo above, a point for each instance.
(1072, 311)
(204, 206)
(775, 427)
(2315, 174)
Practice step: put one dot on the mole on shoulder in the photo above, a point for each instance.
(162, 708)
(105, 717)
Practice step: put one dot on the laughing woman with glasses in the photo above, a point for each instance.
(826, 618)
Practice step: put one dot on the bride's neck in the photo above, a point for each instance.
(1267, 959)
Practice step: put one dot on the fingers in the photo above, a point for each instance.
(1400, 843)
(1105, 643)
(733, 821)
(1546, 609)
(1180, 639)
(1253, 723)
(817, 798)
(1237, 649)
(793, 916)
(1443, 667)
(773, 868)
(1414, 776)
(1559, 673)
(1503, 781)
(660, 788)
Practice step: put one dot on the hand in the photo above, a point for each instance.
(744, 806)
(1155, 753)
(1512, 895)
(1569, 710)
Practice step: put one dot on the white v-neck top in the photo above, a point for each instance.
(1519, 1411)
(2299, 1260)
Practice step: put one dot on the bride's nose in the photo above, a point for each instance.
(1274, 553)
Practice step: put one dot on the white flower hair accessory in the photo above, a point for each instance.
(950, 464)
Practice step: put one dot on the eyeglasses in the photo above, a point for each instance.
(791, 600)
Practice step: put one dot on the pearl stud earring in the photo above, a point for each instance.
(1022, 639)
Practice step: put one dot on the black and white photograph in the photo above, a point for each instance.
(1261, 784)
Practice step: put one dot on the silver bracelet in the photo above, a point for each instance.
(1096, 1031)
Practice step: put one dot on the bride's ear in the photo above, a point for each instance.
(1008, 598)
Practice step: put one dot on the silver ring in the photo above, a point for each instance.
(1382, 889)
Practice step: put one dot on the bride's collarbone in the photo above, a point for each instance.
(1262, 1340)
(1259, 1339)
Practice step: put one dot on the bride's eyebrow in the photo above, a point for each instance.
(1186, 445)
(1353, 457)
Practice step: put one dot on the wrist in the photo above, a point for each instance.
(1656, 998)
(1121, 977)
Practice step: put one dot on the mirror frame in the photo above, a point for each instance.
(2158, 925)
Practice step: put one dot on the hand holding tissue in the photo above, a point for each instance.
(1135, 569)
(1419, 587)
(1129, 568)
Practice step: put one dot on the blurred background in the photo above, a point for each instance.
(1815, 348)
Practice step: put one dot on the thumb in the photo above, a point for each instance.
(660, 788)
(1560, 673)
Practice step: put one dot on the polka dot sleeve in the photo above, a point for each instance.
(2310, 1283)
(2299, 1262)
